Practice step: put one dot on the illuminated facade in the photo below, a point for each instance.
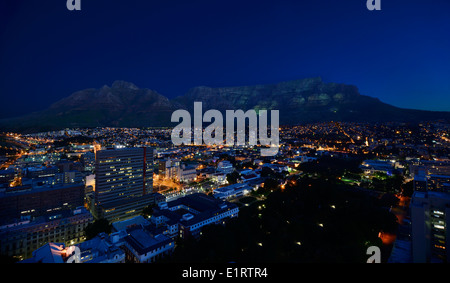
(430, 219)
(142, 246)
(25, 201)
(123, 183)
(63, 226)
(169, 169)
(186, 216)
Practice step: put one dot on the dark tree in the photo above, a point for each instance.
(233, 178)
(148, 211)
(408, 189)
(98, 226)
(314, 220)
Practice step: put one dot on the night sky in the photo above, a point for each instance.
(400, 54)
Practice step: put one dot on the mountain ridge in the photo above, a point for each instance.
(123, 104)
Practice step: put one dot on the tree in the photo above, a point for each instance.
(148, 211)
(270, 184)
(266, 171)
(285, 227)
(233, 178)
(98, 226)
(408, 189)
(389, 184)
(331, 167)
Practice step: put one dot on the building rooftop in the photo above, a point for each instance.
(234, 187)
(23, 190)
(47, 217)
(101, 248)
(126, 224)
(440, 176)
(198, 201)
(48, 253)
(203, 206)
(444, 196)
(143, 242)
(401, 252)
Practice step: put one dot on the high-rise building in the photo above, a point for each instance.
(430, 220)
(123, 183)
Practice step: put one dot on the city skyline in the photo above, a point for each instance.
(250, 136)
(397, 54)
(333, 193)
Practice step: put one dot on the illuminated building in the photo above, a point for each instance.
(370, 167)
(430, 220)
(88, 161)
(123, 183)
(431, 175)
(25, 201)
(225, 167)
(187, 173)
(6, 176)
(187, 215)
(20, 239)
(142, 246)
(439, 183)
(101, 249)
(420, 179)
(169, 169)
(232, 191)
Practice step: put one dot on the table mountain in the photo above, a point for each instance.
(123, 104)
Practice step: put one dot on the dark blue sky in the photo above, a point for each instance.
(400, 54)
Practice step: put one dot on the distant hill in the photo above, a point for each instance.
(300, 101)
